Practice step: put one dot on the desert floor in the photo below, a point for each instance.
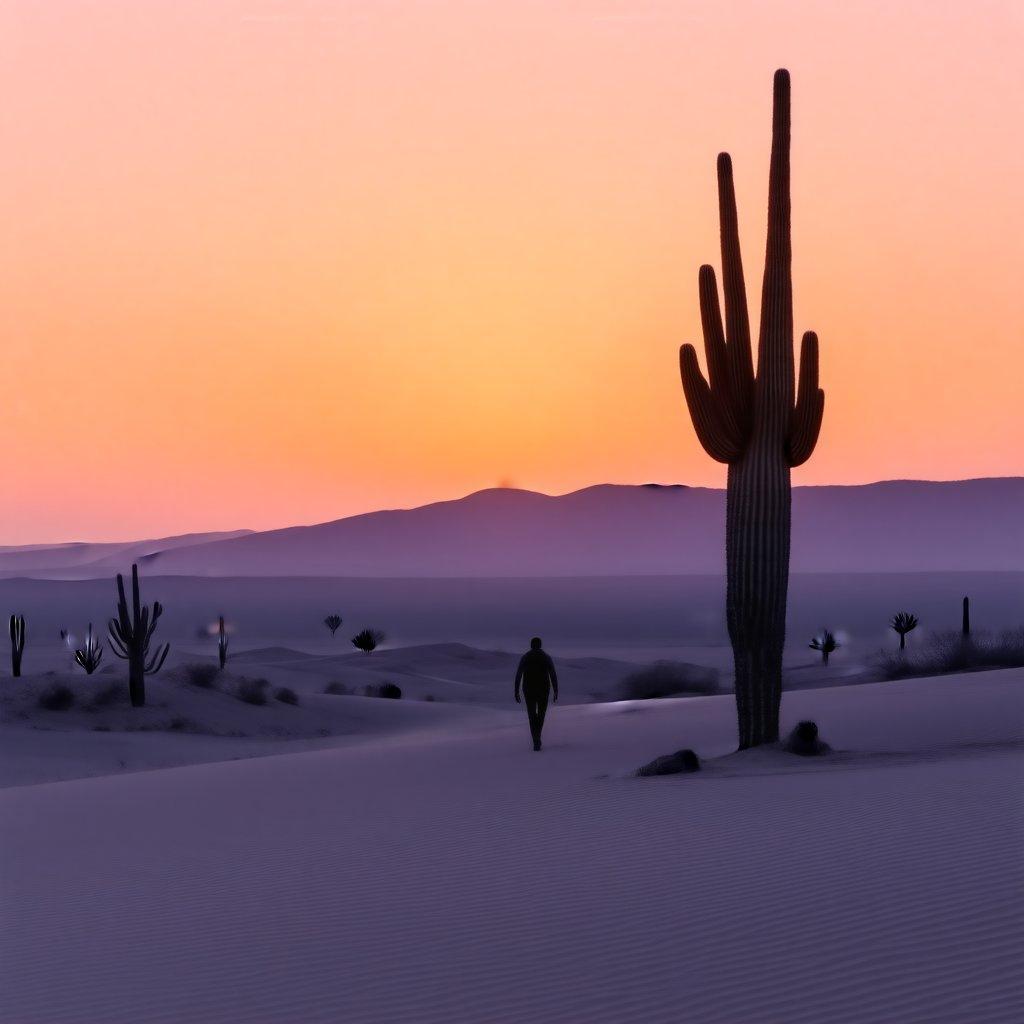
(422, 863)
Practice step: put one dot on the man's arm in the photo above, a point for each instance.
(553, 676)
(519, 675)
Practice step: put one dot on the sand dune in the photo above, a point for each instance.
(457, 876)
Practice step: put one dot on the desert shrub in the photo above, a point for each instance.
(286, 695)
(201, 675)
(367, 640)
(252, 691)
(804, 740)
(667, 679)
(430, 698)
(337, 689)
(112, 693)
(181, 724)
(951, 651)
(57, 698)
(390, 691)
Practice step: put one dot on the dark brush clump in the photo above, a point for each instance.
(804, 740)
(681, 762)
(203, 676)
(337, 689)
(252, 691)
(390, 691)
(57, 698)
(669, 679)
(286, 695)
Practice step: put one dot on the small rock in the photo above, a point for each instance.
(671, 764)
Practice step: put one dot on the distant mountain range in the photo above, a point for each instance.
(606, 530)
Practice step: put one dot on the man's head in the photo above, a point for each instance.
(535, 644)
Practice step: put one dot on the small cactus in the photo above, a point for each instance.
(90, 655)
(222, 643)
(965, 628)
(131, 633)
(826, 643)
(333, 623)
(17, 643)
(903, 623)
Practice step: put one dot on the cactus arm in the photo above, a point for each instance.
(805, 421)
(156, 662)
(715, 437)
(737, 319)
(118, 643)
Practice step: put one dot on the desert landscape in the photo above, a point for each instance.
(406, 620)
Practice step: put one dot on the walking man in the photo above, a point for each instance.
(536, 674)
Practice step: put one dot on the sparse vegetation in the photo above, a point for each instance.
(17, 630)
(804, 740)
(338, 689)
(131, 634)
(826, 643)
(200, 674)
(90, 654)
(390, 691)
(903, 623)
(679, 763)
(286, 695)
(367, 640)
(669, 679)
(57, 697)
(948, 652)
(333, 623)
(252, 691)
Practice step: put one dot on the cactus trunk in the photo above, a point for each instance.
(751, 422)
(965, 627)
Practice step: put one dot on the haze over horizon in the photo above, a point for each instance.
(279, 263)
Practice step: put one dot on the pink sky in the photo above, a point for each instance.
(267, 263)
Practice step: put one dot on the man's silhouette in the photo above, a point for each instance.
(536, 673)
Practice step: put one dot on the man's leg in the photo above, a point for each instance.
(537, 705)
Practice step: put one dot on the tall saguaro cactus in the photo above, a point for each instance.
(757, 425)
(130, 636)
(17, 643)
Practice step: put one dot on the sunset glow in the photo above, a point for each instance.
(271, 263)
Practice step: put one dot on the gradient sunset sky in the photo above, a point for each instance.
(267, 263)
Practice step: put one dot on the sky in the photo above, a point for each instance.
(267, 263)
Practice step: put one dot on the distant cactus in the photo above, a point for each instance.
(333, 623)
(222, 642)
(903, 623)
(17, 643)
(826, 643)
(366, 640)
(91, 654)
(759, 427)
(130, 636)
(965, 628)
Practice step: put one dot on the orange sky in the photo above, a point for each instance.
(271, 262)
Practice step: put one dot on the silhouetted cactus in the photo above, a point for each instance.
(366, 640)
(17, 643)
(91, 654)
(222, 643)
(826, 643)
(752, 423)
(130, 636)
(965, 627)
(333, 623)
(903, 623)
